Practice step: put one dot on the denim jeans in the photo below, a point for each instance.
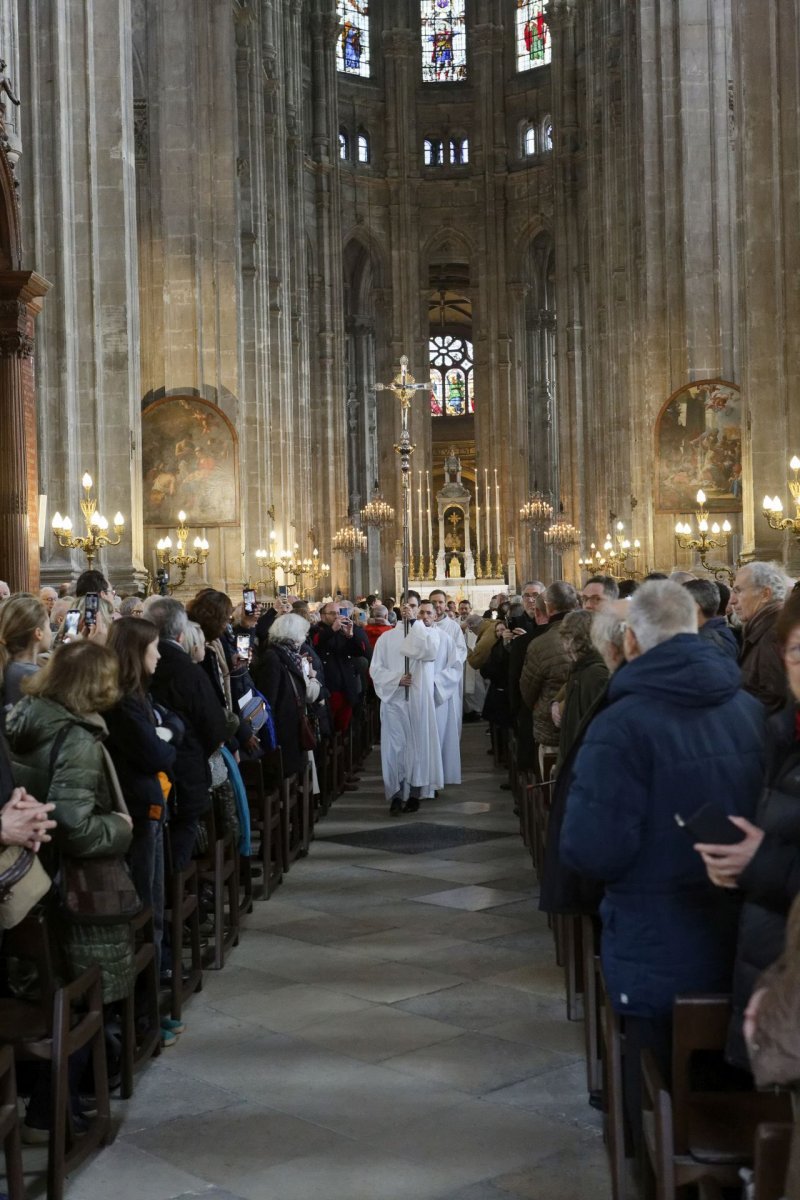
(146, 858)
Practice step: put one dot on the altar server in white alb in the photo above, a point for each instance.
(411, 757)
(450, 688)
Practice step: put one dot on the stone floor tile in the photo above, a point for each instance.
(377, 1033)
(575, 1173)
(555, 1033)
(560, 1094)
(291, 1007)
(476, 1141)
(234, 1148)
(475, 1063)
(124, 1172)
(471, 899)
(163, 1092)
(473, 1005)
(397, 945)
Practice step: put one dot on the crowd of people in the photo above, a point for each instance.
(663, 717)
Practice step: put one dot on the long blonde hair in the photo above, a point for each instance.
(20, 617)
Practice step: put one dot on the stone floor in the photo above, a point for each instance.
(391, 1026)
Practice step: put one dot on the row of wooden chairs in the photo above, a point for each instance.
(693, 1133)
(67, 1019)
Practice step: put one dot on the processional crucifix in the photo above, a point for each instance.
(403, 386)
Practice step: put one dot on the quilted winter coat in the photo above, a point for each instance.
(87, 825)
(677, 732)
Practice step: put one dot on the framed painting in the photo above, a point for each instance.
(699, 445)
(189, 462)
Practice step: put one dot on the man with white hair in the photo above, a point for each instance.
(757, 597)
(48, 597)
(678, 732)
(5, 590)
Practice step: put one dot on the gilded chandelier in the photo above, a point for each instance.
(377, 513)
(562, 534)
(537, 511)
(349, 540)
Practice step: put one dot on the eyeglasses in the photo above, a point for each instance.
(792, 654)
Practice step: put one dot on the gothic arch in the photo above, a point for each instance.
(448, 245)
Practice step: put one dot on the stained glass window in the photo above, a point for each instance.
(444, 41)
(533, 35)
(352, 42)
(451, 376)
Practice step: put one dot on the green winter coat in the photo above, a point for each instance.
(87, 825)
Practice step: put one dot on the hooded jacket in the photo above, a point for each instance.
(86, 824)
(677, 732)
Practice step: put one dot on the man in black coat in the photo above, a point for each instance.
(180, 685)
(535, 623)
(337, 643)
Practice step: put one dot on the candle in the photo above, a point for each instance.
(488, 525)
(497, 511)
(421, 534)
(477, 523)
(409, 520)
(430, 517)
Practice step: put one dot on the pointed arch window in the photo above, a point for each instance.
(344, 145)
(352, 39)
(529, 140)
(533, 35)
(451, 360)
(444, 41)
(363, 148)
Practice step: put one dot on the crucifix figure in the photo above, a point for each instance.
(404, 386)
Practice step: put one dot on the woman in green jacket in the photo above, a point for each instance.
(55, 734)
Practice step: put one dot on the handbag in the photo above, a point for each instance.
(307, 737)
(96, 891)
(23, 883)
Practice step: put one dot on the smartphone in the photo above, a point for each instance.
(91, 604)
(249, 596)
(710, 826)
(71, 622)
(343, 611)
(243, 644)
(283, 589)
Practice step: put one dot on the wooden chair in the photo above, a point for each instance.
(140, 1014)
(692, 1132)
(62, 1022)
(219, 866)
(9, 1126)
(291, 820)
(592, 1011)
(182, 913)
(771, 1160)
(263, 797)
(573, 964)
(615, 1133)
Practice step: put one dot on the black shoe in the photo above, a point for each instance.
(411, 805)
(396, 807)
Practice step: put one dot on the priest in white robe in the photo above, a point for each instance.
(411, 756)
(450, 681)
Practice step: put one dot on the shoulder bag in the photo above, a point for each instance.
(96, 891)
(23, 883)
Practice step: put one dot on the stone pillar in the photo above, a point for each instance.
(21, 295)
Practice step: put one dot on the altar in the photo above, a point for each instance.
(451, 563)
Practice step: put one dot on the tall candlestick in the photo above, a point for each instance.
(432, 569)
(488, 522)
(497, 514)
(421, 533)
(478, 570)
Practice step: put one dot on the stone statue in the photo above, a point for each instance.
(452, 466)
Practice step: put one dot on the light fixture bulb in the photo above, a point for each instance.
(726, 526)
(182, 516)
(701, 497)
(58, 521)
(86, 482)
(795, 463)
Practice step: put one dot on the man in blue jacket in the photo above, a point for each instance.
(678, 732)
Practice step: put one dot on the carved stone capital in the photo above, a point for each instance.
(561, 14)
(14, 344)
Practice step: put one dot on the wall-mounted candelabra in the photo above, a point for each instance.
(182, 558)
(96, 535)
(708, 538)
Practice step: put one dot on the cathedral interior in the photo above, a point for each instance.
(226, 221)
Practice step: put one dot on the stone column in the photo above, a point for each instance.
(21, 295)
